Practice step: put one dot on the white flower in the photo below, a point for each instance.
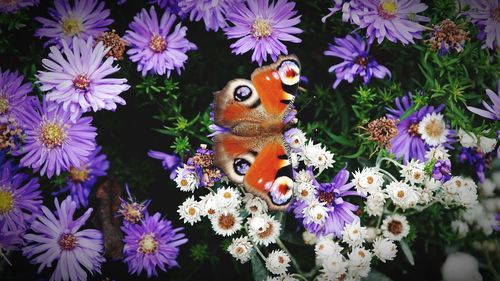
(186, 179)
(208, 205)
(426, 196)
(358, 263)
(371, 234)
(304, 191)
(384, 249)
(285, 277)
(486, 223)
(317, 156)
(334, 266)
(432, 184)
(315, 212)
(263, 229)
(241, 248)
(309, 238)
(395, 227)
(460, 267)
(296, 139)
(413, 171)
(375, 204)
(467, 139)
(487, 188)
(473, 213)
(303, 176)
(190, 211)
(256, 205)
(294, 159)
(226, 223)
(492, 205)
(277, 262)
(326, 247)
(460, 190)
(402, 194)
(460, 227)
(368, 180)
(438, 153)
(227, 198)
(486, 145)
(432, 128)
(354, 234)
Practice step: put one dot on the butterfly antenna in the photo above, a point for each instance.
(305, 105)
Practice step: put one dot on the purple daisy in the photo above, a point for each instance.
(357, 62)
(170, 5)
(262, 25)
(54, 142)
(486, 15)
(396, 20)
(351, 10)
(492, 111)
(20, 198)
(477, 159)
(152, 243)
(330, 195)
(9, 241)
(81, 180)
(12, 6)
(408, 143)
(76, 78)
(57, 238)
(442, 170)
(169, 162)
(13, 94)
(154, 47)
(212, 12)
(132, 211)
(86, 18)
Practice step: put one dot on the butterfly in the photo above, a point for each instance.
(251, 149)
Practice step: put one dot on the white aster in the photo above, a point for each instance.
(375, 202)
(372, 233)
(227, 199)
(241, 249)
(326, 247)
(486, 145)
(317, 156)
(277, 262)
(256, 205)
(437, 153)
(263, 229)
(402, 194)
(226, 223)
(385, 249)
(208, 205)
(460, 227)
(304, 191)
(309, 238)
(413, 172)
(190, 211)
(467, 139)
(354, 234)
(368, 180)
(459, 190)
(358, 262)
(334, 266)
(433, 129)
(315, 212)
(304, 176)
(296, 139)
(284, 277)
(487, 188)
(395, 227)
(186, 179)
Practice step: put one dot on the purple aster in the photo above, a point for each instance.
(152, 243)
(13, 94)
(76, 78)
(12, 6)
(442, 170)
(154, 47)
(53, 142)
(86, 18)
(20, 198)
(354, 52)
(170, 162)
(486, 15)
(132, 211)
(212, 12)
(396, 20)
(339, 212)
(261, 26)
(9, 241)
(492, 111)
(81, 180)
(170, 5)
(57, 238)
(477, 159)
(351, 10)
(408, 143)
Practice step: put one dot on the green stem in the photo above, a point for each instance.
(294, 261)
(260, 253)
(296, 275)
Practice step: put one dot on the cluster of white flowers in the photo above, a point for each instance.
(460, 190)
(482, 143)
(302, 149)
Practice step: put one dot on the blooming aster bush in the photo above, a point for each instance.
(393, 178)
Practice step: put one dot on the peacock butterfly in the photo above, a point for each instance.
(251, 149)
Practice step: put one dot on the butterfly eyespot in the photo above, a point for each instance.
(241, 166)
(242, 93)
(289, 72)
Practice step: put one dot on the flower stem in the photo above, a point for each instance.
(294, 261)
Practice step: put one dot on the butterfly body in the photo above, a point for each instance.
(252, 151)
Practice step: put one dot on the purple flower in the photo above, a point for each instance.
(152, 243)
(497, 226)
(20, 198)
(53, 142)
(13, 94)
(12, 6)
(475, 158)
(351, 10)
(262, 26)
(170, 5)
(57, 238)
(339, 212)
(354, 51)
(9, 241)
(396, 20)
(76, 78)
(409, 143)
(442, 170)
(154, 47)
(212, 12)
(132, 211)
(486, 15)
(81, 180)
(492, 111)
(170, 162)
(86, 18)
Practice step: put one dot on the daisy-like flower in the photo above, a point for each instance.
(212, 12)
(413, 172)
(460, 227)
(209, 205)
(190, 211)
(255, 205)
(152, 244)
(358, 262)
(132, 211)
(262, 25)
(227, 223)
(277, 262)
(169, 5)
(334, 267)
(81, 180)
(394, 20)
(84, 19)
(241, 249)
(13, 94)
(227, 199)
(295, 138)
(9, 241)
(368, 181)
(354, 234)
(384, 249)
(486, 15)
(57, 238)
(12, 6)
(459, 190)
(187, 179)
(76, 78)
(315, 212)
(490, 111)
(263, 229)
(154, 47)
(354, 52)
(304, 191)
(402, 194)
(326, 247)
(309, 238)
(20, 198)
(432, 129)
(317, 156)
(169, 162)
(54, 142)
(437, 153)
(395, 227)
(375, 202)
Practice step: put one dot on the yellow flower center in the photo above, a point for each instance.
(227, 195)
(68, 242)
(157, 43)
(79, 175)
(132, 212)
(52, 135)
(435, 128)
(261, 28)
(6, 202)
(401, 194)
(4, 104)
(387, 9)
(71, 26)
(192, 211)
(81, 81)
(148, 244)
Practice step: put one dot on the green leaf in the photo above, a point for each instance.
(258, 269)
(376, 276)
(407, 251)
